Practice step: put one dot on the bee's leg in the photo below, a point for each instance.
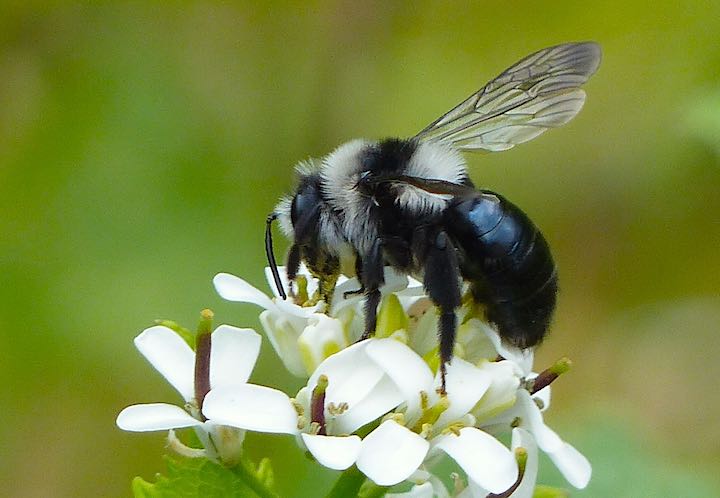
(358, 273)
(325, 267)
(292, 265)
(327, 284)
(442, 283)
(372, 278)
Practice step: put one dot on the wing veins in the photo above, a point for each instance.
(536, 82)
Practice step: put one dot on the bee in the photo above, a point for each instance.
(410, 204)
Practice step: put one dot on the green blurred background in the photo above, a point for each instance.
(141, 147)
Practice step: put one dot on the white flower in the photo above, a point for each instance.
(232, 359)
(432, 424)
(283, 321)
(304, 336)
(346, 392)
(388, 383)
(526, 413)
(523, 439)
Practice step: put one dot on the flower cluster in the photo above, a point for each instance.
(374, 404)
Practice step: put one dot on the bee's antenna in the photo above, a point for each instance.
(271, 254)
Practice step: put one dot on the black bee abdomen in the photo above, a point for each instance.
(508, 264)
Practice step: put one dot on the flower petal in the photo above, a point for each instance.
(311, 281)
(256, 408)
(466, 384)
(290, 308)
(383, 397)
(475, 343)
(532, 419)
(283, 331)
(523, 439)
(391, 453)
(544, 396)
(473, 490)
(394, 282)
(424, 334)
(322, 337)
(573, 465)
(233, 355)
(406, 369)
(340, 302)
(333, 452)
(356, 380)
(235, 288)
(502, 391)
(171, 356)
(523, 357)
(485, 460)
(154, 417)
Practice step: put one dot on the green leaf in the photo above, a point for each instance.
(199, 477)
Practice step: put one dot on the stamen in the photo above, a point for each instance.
(521, 456)
(182, 449)
(396, 417)
(202, 358)
(432, 414)
(453, 429)
(424, 400)
(336, 410)
(547, 376)
(298, 407)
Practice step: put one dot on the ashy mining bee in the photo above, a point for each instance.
(410, 204)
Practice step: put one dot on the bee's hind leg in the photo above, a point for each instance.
(442, 283)
(372, 278)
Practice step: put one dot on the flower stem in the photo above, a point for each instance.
(348, 484)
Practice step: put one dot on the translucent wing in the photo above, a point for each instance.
(541, 91)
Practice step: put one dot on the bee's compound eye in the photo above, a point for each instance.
(296, 208)
(304, 203)
(293, 210)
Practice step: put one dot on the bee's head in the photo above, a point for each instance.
(292, 209)
(299, 217)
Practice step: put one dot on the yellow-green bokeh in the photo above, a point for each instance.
(142, 145)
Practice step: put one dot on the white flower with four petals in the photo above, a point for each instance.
(380, 388)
